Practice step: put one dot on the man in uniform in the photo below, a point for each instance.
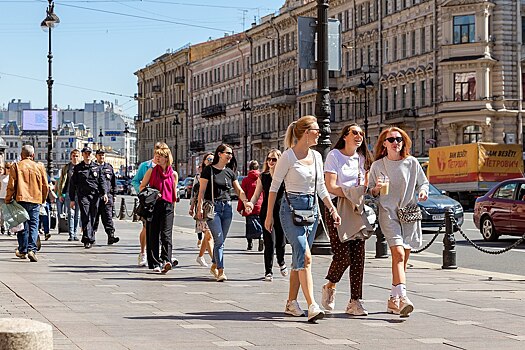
(86, 187)
(105, 209)
(73, 216)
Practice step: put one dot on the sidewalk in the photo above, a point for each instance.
(99, 299)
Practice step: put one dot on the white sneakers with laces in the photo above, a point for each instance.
(200, 260)
(293, 308)
(356, 308)
(328, 298)
(314, 313)
(142, 260)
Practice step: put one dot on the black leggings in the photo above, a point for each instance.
(273, 241)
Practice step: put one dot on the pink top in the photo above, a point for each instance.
(163, 181)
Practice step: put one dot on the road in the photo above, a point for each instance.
(466, 255)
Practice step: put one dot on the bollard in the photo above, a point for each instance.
(381, 245)
(21, 334)
(135, 205)
(449, 243)
(122, 214)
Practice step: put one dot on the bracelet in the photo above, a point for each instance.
(332, 210)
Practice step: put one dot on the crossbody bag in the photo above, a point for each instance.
(208, 207)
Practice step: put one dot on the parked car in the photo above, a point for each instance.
(179, 188)
(501, 211)
(186, 187)
(433, 209)
(233, 194)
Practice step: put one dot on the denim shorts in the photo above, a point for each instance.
(298, 236)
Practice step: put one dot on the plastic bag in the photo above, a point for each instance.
(14, 214)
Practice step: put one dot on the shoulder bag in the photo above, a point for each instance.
(304, 217)
(208, 207)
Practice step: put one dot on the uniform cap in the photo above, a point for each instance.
(87, 149)
(100, 151)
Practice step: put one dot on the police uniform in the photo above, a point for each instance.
(105, 210)
(86, 187)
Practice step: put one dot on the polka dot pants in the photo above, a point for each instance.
(349, 254)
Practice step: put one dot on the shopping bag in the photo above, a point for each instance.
(14, 214)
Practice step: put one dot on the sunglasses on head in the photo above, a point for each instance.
(271, 159)
(355, 133)
(399, 139)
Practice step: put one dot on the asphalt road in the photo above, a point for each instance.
(466, 255)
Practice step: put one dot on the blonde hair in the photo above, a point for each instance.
(380, 150)
(166, 153)
(297, 129)
(160, 145)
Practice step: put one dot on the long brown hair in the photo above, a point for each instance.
(206, 155)
(362, 150)
(277, 153)
(380, 150)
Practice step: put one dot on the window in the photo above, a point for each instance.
(423, 93)
(422, 40)
(422, 141)
(472, 134)
(413, 43)
(464, 86)
(413, 95)
(386, 51)
(403, 45)
(505, 192)
(394, 49)
(403, 96)
(464, 29)
(394, 98)
(385, 94)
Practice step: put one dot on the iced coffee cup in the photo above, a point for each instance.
(386, 184)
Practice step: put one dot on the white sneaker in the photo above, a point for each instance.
(405, 306)
(142, 260)
(314, 313)
(268, 277)
(157, 269)
(328, 298)
(200, 260)
(284, 270)
(293, 308)
(356, 308)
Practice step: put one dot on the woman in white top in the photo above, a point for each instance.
(346, 167)
(407, 184)
(299, 167)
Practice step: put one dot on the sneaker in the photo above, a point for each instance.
(113, 240)
(20, 255)
(32, 256)
(75, 238)
(214, 271)
(328, 298)
(88, 245)
(47, 236)
(261, 245)
(70, 239)
(405, 306)
(356, 308)
(157, 269)
(314, 313)
(250, 246)
(293, 308)
(167, 266)
(392, 306)
(221, 277)
(268, 277)
(142, 260)
(200, 260)
(174, 261)
(38, 243)
(284, 270)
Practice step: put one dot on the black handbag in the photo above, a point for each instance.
(147, 199)
(304, 217)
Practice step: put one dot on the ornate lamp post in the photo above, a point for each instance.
(245, 108)
(50, 22)
(126, 132)
(365, 85)
(100, 136)
(175, 124)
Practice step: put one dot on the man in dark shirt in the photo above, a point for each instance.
(105, 209)
(86, 186)
(72, 216)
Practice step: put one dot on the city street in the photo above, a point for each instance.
(100, 299)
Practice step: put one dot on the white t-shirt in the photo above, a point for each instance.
(347, 168)
(4, 179)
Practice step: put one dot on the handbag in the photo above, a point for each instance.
(147, 199)
(304, 217)
(14, 214)
(208, 207)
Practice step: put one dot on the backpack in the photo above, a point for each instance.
(147, 199)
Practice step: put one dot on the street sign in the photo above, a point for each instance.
(90, 139)
(71, 140)
(113, 133)
(113, 138)
(307, 29)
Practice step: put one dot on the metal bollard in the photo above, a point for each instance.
(135, 205)
(122, 214)
(449, 242)
(381, 245)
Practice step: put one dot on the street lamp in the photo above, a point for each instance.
(50, 22)
(126, 132)
(245, 108)
(100, 136)
(176, 123)
(365, 85)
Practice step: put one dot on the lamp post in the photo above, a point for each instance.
(126, 132)
(100, 136)
(321, 244)
(175, 124)
(245, 108)
(50, 22)
(364, 86)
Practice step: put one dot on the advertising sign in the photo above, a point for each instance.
(36, 120)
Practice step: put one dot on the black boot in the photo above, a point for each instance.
(112, 239)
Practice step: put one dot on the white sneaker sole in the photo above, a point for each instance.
(406, 310)
(314, 318)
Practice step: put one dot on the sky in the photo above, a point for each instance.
(99, 44)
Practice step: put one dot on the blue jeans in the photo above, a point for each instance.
(73, 216)
(298, 236)
(219, 227)
(28, 237)
(44, 219)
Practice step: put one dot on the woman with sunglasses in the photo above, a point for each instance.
(278, 243)
(201, 227)
(398, 179)
(301, 169)
(222, 173)
(345, 169)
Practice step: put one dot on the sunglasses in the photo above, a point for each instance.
(399, 139)
(209, 159)
(228, 153)
(355, 133)
(270, 159)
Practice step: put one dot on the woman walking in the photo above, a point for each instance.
(273, 241)
(345, 170)
(253, 221)
(163, 178)
(397, 178)
(301, 169)
(220, 176)
(201, 227)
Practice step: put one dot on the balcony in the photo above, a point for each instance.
(155, 114)
(283, 98)
(178, 106)
(262, 136)
(156, 88)
(180, 80)
(232, 139)
(213, 111)
(197, 146)
(400, 116)
(362, 70)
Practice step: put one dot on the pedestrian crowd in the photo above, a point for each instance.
(280, 203)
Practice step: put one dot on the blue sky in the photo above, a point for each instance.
(100, 49)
